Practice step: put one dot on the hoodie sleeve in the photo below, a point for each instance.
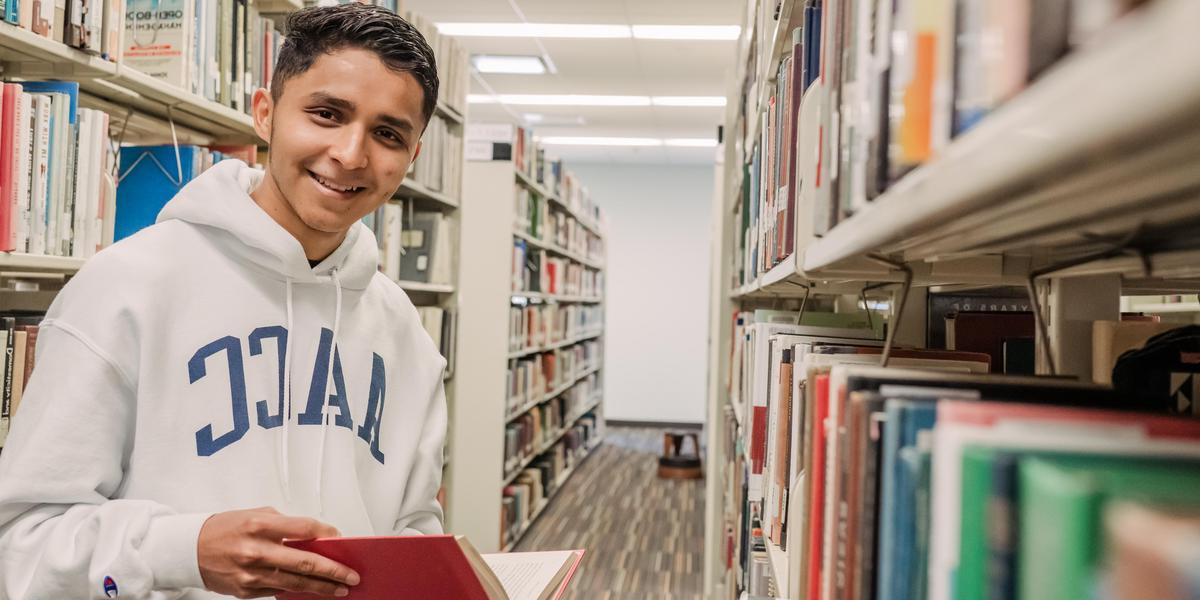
(420, 512)
(61, 534)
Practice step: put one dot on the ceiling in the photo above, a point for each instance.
(607, 67)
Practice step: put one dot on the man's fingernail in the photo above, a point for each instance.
(353, 578)
(341, 591)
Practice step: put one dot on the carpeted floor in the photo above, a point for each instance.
(644, 535)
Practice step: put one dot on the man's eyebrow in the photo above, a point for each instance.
(398, 122)
(331, 100)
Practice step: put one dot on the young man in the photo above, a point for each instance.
(240, 373)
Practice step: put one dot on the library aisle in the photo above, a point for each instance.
(600, 299)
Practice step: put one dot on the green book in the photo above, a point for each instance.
(1062, 502)
(971, 577)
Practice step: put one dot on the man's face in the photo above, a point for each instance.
(342, 135)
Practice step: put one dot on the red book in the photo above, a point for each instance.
(816, 500)
(8, 161)
(442, 566)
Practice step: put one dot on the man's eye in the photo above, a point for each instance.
(325, 114)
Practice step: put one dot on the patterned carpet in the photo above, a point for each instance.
(644, 536)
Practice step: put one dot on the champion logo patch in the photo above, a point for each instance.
(110, 587)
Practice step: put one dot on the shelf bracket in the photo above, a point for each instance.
(905, 287)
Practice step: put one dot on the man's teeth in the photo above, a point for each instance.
(333, 186)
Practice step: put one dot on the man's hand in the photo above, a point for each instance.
(241, 554)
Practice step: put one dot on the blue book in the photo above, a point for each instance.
(12, 12)
(898, 494)
(70, 88)
(149, 179)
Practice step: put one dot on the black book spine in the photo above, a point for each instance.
(10, 325)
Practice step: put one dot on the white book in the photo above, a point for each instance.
(22, 179)
(94, 215)
(158, 39)
(40, 176)
(68, 134)
(393, 234)
(83, 171)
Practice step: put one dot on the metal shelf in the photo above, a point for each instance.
(412, 189)
(558, 297)
(538, 189)
(17, 261)
(421, 286)
(548, 396)
(449, 113)
(550, 442)
(546, 501)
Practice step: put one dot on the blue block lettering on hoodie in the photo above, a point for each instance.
(369, 431)
(266, 420)
(206, 444)
(320, 382)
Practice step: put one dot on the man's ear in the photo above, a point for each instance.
(416, 153)
(261, 108)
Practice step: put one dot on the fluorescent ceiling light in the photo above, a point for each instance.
(629, 141)
(594, 100)
(592, 31)
(521, 65)
(541, 30)
(558, 100)
(688, 100)
(691, 142)
(686, 32)
(600, 141)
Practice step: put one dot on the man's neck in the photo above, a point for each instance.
(317, 244)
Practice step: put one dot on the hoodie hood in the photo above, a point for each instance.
(219, 199)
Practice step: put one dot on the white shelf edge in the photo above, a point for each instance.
(537, 188)
(559, 297)
(421, 286)
(414, 189)
(449, 113)
(1167, 307)
(779, 563)
(556, 345)
(559, 250)
(39, 262)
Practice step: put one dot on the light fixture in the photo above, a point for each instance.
(599, 141)
(594, 100)
(519, 65)
(628, 141)
(593, 31)
(691, 142)
(540, 30)
(688, 100)
(687, 32)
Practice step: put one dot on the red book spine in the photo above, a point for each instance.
(759, 436)
(8, 162)
(816, 502)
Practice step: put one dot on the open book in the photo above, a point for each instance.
(443, 566)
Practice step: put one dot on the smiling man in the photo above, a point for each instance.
(240, 373)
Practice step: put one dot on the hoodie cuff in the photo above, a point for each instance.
(170, 550)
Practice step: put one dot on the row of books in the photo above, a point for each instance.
(440, 165)
(531, 378)
(221, 50)
(414, 245)
(867, 90)
(550, 224)
(440, 324)
(94, 26)
(527, 435)
(933, 478)
(537, 271)
(535, 326)
(453, 68)
(57, 186)
(18, 346)
(538, 482)
(531, 160)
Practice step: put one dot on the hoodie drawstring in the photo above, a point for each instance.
(337, 318)
(287, 392)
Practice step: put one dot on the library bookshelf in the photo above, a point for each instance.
(1061, 190)
(491, 347)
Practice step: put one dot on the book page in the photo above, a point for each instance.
(526, 575)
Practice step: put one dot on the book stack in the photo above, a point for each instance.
(221, 50)
(933, 478)
(535, 326)
(96, 27)
(57, 184)
(415, 246)
(439, 167)
(18, 345)
(867, 90)
(439, 323)
(528, 494)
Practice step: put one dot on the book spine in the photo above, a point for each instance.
(6, 405)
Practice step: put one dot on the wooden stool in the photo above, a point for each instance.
(674, 464)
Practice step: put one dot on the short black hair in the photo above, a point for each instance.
(324, 29)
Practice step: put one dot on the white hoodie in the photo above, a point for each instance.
(162, 370)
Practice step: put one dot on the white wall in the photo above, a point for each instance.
(657, 276)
